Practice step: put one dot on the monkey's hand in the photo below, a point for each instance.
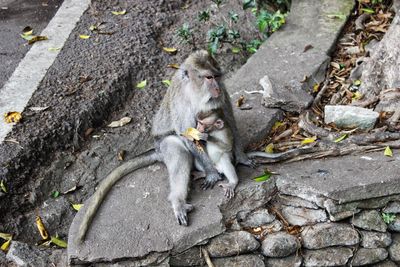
(203, 136)
(242, 158)
(211, 179)
(229, 189)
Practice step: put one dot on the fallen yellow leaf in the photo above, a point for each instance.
(3, 187)
(166, 82)
(341, 138)
(4, 247)
(142, 84)
(316, 87)
(357, 95)
(83, 36)
(174, 66)
(117, 13)
(5, 236)
(12, 116)
(277, 125)
(388, 152)
(77, 207)
(269, 148)
(170, 50)
(309, 140)
(41, 228)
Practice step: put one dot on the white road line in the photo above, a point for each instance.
(19, 88)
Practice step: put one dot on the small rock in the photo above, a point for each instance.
(291, 261)
(279, 245)
(375, 239)
(242, 261)
(369, 220)
(365, 256)
(326, 257)
(385, 264)
(329, 234)
(190, 257)
(394, 249)
(392, 207)
(350, 117)
(24, 255)
(257, 218)
(231, 244)
(303, 216)
(296, 202)
(395, 225)
(53, 213)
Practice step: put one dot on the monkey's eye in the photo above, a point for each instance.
(209, 77)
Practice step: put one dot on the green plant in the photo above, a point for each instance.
(217, 2)
(253, 45)
(185, 33)
(268, 23)
(388, 217)
(374, 2)
(249, 4)
(233, 34)
(215, 36)
(233, 16)
(204, 15)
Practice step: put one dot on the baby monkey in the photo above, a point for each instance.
(219, 146)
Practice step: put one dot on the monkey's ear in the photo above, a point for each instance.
(219, 124)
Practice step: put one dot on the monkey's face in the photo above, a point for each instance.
(209, 124)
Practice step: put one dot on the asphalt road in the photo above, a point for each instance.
(15, 15)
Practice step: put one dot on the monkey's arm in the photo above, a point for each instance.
(212, 175)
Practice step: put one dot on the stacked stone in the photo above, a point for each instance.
(259, 238)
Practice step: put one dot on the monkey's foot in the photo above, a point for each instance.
(211, 180)
(181, 213)
(229, 189)
(245, 160)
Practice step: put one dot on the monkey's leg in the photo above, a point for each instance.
(179, 162)
(225, 166)
(202, 158)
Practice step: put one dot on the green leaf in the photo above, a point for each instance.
(388, 217)
(368, 10)
(309, 140)
(142, 84)
(166, 82)
(235, 50)
(341, 138)
(58, 242)
(388, 152)
(4, 247)
(3, 186)
(55, 194)
(263, 177)
(357, 82)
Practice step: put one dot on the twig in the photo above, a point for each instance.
(306, 124)
(321, 92)
(366, 102)
(207, 257)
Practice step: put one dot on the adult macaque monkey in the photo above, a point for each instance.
(195, 88)
(219, 144)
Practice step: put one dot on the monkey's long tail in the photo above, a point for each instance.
(106, 185)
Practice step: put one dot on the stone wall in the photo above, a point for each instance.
(291, 231)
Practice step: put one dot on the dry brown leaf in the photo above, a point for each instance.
(121, 155)
(240, 101)
(174, 66)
